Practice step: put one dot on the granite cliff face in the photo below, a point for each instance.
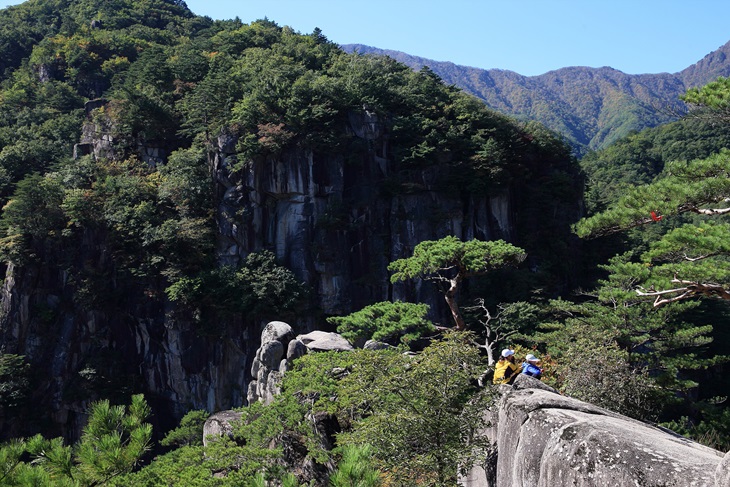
(331, 219)
(332, 222)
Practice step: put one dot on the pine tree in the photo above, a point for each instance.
(618, 342)
(690, 261)
(450, 261)
(112, 443)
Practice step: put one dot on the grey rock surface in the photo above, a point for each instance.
(295, 350)
(544, 441)
(276, 331)
(722, 472)
(270, 362)
(322, 341)
(523, 381)
(547, 440)
(219, 424)
(270, 354)
(374, 345)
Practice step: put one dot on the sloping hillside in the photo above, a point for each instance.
(591, 107)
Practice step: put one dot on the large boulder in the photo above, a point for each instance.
(544, 439)
(219, 424)
(323, 341)
(277, 331)
(550, 440)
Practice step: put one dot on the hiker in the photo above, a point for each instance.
(529, 366)
(504, 371)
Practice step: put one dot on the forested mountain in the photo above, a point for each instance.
(174, 188)
(591, 107)
(170, 183)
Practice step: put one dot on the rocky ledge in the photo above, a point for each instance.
(544, 439)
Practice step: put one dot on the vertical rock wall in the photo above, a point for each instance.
(336, 219)
(335, 223)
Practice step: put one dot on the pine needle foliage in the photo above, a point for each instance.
(393, 323)
(355, 469)
(449, 261)
(112, 443)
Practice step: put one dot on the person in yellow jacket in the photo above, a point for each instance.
(506, 368)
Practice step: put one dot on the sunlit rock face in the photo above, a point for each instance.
(279, 348)
(544, 439)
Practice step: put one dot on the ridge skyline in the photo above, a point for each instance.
(590, 107)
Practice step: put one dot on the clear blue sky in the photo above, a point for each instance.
(527, 36)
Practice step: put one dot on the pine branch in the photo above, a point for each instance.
(710, 211)
(701, 257)
(692, 289)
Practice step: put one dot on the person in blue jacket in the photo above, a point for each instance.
(529, 366)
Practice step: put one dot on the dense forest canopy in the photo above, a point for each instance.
(112, 118)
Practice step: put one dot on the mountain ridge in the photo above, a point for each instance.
(590, 107)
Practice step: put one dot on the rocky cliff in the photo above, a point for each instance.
(334, 222)
(334, 219)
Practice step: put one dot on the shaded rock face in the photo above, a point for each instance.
(86, 355)
(544, 439)
(331, 221)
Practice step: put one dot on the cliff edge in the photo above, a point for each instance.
(544, 439)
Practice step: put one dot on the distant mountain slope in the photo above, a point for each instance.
(592, 107)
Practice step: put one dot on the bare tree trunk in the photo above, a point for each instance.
(489, 347)
(450, 297)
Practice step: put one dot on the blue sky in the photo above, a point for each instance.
(527, 36)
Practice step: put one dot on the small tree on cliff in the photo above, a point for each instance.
(388, 322)
(449, 261)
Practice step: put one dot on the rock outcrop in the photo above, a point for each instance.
(220, 424)
(270, 362)
(544, 439)
(322, 341)
(278, 348)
